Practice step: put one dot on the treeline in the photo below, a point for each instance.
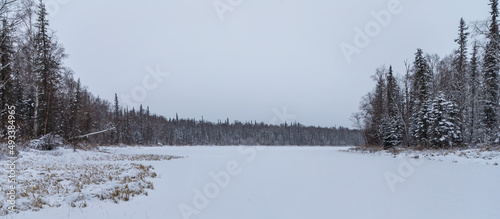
(140, 127)
(439, 102)
(50, 102)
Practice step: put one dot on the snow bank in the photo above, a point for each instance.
(469, 156)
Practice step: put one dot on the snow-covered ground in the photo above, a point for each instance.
(281, 182)
(466, 155)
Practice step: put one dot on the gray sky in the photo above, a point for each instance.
(264, 57)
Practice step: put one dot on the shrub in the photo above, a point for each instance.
(47, 142)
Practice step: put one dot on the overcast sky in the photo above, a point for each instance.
(263, 57)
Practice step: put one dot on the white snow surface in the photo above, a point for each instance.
(293, 182)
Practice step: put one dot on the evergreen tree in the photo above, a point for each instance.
(421, 96)
(127, 136)
(459, 80)
(148, 130)
(444, 130)
(48, 63)
(474, 84)
(116, 121)
(377, 110)
(393, 128)
(489, 119)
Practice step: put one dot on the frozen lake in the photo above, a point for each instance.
(299, 182)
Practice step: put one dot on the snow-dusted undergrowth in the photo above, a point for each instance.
(487, 156)
(63, 177)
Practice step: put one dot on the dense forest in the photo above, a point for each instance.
(50, 104)
(439, 102)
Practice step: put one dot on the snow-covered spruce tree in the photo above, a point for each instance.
(460, 79)
(47, 67)
(474, 90)
(116, 135)
(141, 117)
(393, 124)
(149, 130)
(444, 130)
(421, 100)
(127, 133)
(489, 117)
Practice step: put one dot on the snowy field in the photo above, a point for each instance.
(270, 183)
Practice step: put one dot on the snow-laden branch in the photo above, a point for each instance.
(95, 133)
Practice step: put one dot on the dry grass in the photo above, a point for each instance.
(132, 157)
(367, 149)
(55, 184)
